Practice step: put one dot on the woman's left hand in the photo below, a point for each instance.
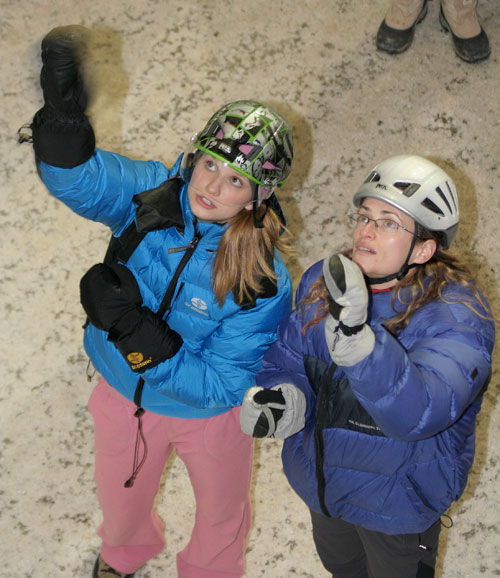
(276, 412)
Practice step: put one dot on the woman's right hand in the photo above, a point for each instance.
(347, 289)
(109, 294)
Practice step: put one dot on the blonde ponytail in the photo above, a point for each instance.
(244, 259)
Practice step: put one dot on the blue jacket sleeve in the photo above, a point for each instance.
(417, 391)
(102, 188)
(220, 374)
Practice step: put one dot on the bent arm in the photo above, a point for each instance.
(418, 392)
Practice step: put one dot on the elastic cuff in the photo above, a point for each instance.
(62, 140)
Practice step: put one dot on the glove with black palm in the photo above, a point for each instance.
(276, 412)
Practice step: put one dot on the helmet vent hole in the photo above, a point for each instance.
(408, 189)
(443, 196)
(233, 120)
(452, 195)
(373, 177)
(428, 204)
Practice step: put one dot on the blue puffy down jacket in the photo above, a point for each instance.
(223, 346)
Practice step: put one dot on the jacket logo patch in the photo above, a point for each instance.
(198, 305)
(363, 425)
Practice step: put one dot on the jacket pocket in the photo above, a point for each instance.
(431, 492)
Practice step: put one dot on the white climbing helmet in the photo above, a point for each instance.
(417, 187)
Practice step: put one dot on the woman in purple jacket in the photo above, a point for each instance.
(377, 377)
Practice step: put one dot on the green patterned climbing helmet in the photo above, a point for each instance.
(253, 139)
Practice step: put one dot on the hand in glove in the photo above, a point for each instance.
(62, 134)
(110, 296)
(112, 300)
(349, 339)
(60, 77)
(276, 412)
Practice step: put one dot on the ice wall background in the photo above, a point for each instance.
(162, 68)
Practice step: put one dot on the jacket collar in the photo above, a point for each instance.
(160, 208)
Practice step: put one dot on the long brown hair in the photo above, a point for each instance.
(244, 258)
(423, 284)
(428, 282)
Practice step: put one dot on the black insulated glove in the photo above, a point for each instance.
(110, 296)
(62, 134)
(146, 344)
(112, 300)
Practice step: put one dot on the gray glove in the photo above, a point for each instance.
(276, 412)
(348, 337)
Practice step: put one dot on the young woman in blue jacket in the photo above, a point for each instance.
(179, 315)
(377, 377)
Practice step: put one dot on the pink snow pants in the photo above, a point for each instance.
(218, 458)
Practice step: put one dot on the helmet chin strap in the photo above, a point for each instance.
(258, 222)
(401, 274)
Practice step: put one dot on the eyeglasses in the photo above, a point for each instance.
(386, 226)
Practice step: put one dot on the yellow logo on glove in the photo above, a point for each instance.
(136, 360)
(135, 357)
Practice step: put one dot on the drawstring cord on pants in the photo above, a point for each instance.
(138, 439)
(136, 468)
